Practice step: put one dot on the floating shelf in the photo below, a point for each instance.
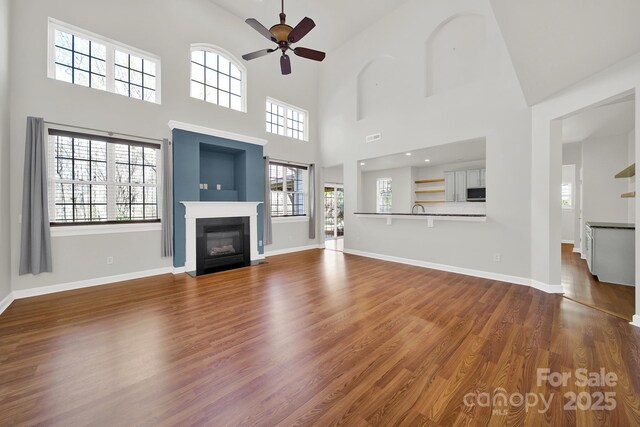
(628, 172)
(429, 181)
(429, 191)
(421, 202)
(629, 195)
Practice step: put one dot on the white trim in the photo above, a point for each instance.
(636, 321)
(288, 219)
(460, 270)
(110, 45)
(6, 302)
(295, 109)
(583, 256)
(173, 124)
(231, 58)
(568, 242)
(179, 270)
(45, 290)
(292, 250)
(577, 250)
(86, 230)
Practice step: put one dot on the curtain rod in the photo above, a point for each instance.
(110, 133)
(288, 162)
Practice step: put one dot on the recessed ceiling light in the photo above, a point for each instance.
(408, 154)
(427, 160)
(362, 163)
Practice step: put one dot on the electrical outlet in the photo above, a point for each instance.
(218, 187)
(259, 242)
(109, 260)
(497, 257)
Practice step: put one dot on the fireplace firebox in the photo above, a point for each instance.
(222, 244)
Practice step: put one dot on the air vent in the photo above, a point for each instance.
(374, 138)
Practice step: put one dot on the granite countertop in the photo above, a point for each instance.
(424, 214)
(614, 225)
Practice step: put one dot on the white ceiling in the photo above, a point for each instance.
(608, 120)
(455, 152)
(556, 43)
(336, 20)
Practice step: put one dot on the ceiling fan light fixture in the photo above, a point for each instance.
(281, 32)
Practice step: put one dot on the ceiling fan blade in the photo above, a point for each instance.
(285, 64)
(257, 54)
(301, 30)
(303, 52)
(261, 29)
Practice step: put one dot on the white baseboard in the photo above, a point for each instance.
(45, 290)
(292, 250)
(6, 302)
(553, 289)
(568, 242)
(577, 250)
(636, 321)
(179, 270)
(583, 256)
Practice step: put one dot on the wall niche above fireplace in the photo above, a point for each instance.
(222, 244)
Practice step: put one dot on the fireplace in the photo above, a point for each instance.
(222, 244)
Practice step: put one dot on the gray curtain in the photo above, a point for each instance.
(312, 201)
(167, 198)
(35, 249)
(267, 230)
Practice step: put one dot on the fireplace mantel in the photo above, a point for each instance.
(196, 210)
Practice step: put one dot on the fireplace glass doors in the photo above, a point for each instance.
(222, 244)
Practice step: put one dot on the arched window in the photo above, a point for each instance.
(217, 77)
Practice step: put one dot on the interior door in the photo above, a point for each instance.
(333, 211)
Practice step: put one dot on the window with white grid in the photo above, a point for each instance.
(286, 120)
(79, 57)
(217, 77)
(95, 181)
(288, 194)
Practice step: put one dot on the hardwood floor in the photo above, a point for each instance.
(580, 285)
(317, 337)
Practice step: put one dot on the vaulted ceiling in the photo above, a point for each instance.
(337, 20)
(556, 43)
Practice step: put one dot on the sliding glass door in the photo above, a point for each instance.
(333, 211)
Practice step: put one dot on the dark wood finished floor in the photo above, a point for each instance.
(580, 285)
(317, 337)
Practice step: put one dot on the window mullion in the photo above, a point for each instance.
(110, 64)
(111, 185)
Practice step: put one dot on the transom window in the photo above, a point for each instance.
(79, 57)
(94, 179)
(288, 190)
(384, 195)
(217, 78)
(286, 120)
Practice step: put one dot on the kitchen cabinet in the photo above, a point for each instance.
(476, 178)
(455, 186)
(610, 252)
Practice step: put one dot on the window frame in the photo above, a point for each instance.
(379, 196)
(232, 59)
(111, 46)
(108, 226)
(568, 207)
(287, 108)
(305, 184)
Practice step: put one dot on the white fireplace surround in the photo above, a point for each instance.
(196, 210)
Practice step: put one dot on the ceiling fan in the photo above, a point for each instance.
(284, 36)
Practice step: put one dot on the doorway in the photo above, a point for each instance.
(598, 207)
(334, 216)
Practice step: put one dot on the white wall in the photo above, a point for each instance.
(602, 159)
(166, 29)
(616, 82)
(572, 155)
(401, 187)
(5, 252)
(333, 175)
(491, 107)
(631, 158)
(569, 215)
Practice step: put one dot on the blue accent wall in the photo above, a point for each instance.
(208, 159)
